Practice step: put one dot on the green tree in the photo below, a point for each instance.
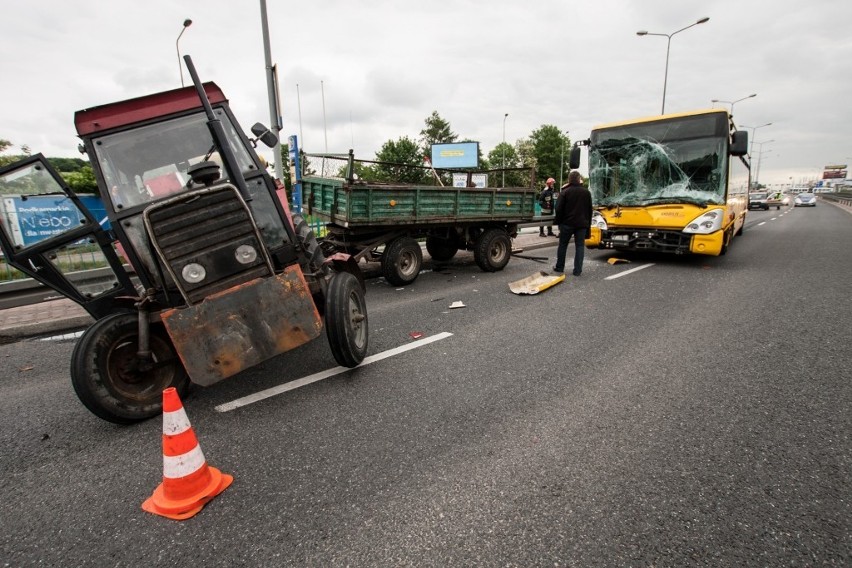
(6, 160)
(437, 131)
(497, 159)
(80, 181)
(400, 155)
(69, 164)
(547, 144)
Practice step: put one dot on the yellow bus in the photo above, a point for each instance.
(675, 183)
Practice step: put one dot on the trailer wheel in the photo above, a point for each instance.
(346, 320)
(492, 250)
(442, 248)
(107, 376)
(401, 261)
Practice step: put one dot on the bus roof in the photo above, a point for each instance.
(660, 117)
(123, 113)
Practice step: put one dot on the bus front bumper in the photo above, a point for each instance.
(657, 240)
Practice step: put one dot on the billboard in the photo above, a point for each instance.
(457, 155)
(834, 173)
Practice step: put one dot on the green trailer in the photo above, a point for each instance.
(382, 222)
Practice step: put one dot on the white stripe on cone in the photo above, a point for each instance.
(175, 422)
(175, 467)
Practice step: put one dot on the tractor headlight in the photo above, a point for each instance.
(706, 223)
(245, 254)
(599, 221)
(193, 273)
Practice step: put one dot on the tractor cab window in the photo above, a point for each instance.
(151, 162)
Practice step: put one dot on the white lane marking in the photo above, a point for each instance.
(761, 223)
(773, 218)
(298, 383)
(74, 335)
(626, 272)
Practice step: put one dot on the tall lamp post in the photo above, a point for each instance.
(732, 103)
(668, 47)
(186, 23)
(505, 116)
(562, 160)
(753, 128)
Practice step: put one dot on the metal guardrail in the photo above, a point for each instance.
(22, 291)
(841, 198)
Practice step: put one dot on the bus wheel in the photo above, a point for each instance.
(111, 380)
(346, 320)
(401, 261)
(492, 250)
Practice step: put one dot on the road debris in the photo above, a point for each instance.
(535, 283)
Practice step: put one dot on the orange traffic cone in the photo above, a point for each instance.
(188, 482)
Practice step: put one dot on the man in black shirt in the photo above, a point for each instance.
(574, 217)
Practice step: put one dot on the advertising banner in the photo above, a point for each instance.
(458, 155)
(35, 218)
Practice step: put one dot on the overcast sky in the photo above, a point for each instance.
(385, 65)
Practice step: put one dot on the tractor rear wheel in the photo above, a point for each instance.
(113, 382)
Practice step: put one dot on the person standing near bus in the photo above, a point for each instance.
(546, 200)
(574, 217)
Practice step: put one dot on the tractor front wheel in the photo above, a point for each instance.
(346, 319)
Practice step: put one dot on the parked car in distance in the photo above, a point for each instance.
(805, 200)
(758, 200)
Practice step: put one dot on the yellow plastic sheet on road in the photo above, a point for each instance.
(538, 282)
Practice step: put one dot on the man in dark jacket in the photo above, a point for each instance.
(574, 217)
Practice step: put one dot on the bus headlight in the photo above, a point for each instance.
(193, 273)
(245, 254)
(599, 221)
(706, 223)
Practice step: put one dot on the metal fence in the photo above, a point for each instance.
(69, 259)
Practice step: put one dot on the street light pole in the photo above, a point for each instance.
(732, 103)
(186, 23)
(759, 156)
(505, 116)
(668, 48)
(753, 128)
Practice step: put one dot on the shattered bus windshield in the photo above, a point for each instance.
(150, 162)
(675, 160)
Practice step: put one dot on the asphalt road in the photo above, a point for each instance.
(694, 412)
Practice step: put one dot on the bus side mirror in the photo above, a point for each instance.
(574, 158)
(739, 143)
(264, 134)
